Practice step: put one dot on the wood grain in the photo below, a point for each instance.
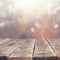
(30, 49)
(4, 41)
(8, 48)
(43, 51)
(55, 44)
(24, 51)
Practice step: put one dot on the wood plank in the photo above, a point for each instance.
(24, 51)
(49, 53)
(4, 41)
(43, 51)
(8, 48)
(38, 52)
(10, 42)
(55, 44)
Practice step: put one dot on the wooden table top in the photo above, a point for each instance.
(30, 49)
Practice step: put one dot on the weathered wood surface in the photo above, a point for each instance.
(24, 51)
(4, 41)
(8, 48)
(30, 49)
(55, 45)
(43, 51)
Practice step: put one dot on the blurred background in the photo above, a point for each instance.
(23, 19)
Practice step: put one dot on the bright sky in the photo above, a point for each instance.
(28, 6)
(34, 5)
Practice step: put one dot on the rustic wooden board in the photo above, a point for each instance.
(43, 51)
(24, 51)
(49, 53)
(8, 48)
(30, 49)
(38, 54)
(9, 42)
(4, 41)
(55, 44)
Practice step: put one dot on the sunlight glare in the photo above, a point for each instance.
(37, 5)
